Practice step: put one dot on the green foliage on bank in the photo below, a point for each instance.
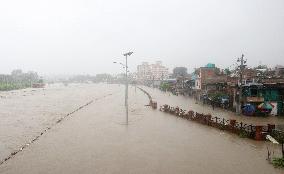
(278, 162)
(18, 80)
(278, 135)
(243, 134)
(12, 86)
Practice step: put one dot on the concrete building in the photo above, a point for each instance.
(207, 79)
(143, 71)
(279, 71)
(206, 75)
(156, 71)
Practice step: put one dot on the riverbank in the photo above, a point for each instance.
(188, 103)
(256, 132)
(10, 87)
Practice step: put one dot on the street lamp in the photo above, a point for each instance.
(123, 66)
(126, 85)
(126, 82)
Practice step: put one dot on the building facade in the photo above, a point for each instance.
(156, 71)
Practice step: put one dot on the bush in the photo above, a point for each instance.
(164, 86)
(222, 126)
(278, 162)
(216, 97)
(12, 86)
(243, 134)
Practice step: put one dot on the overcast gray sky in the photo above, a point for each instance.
(86, 36)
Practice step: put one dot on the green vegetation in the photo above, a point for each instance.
(17, 80)
(216, 96)
(279, 136)
(243, 134)
(165, 87)
(12, 86)
(222, 127)
(278, 162)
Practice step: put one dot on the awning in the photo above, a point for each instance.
(271, 139)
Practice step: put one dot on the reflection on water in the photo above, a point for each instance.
(95, 139)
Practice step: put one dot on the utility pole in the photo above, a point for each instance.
(241, 70)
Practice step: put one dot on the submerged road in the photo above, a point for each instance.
(96, 140)
(190, 104)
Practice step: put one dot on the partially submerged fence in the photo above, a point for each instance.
(257, 132)
(152, 103)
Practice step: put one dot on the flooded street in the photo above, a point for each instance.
(95, 139)
(188, 103)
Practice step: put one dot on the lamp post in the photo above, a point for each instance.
(126, 83)
(124, 67)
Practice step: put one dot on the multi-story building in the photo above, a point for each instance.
(207, 79)
(143, 71)
(156, 71)
(207, 75)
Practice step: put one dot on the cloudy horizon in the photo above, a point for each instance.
(85, 37)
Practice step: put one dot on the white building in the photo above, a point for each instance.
(156, 71)
(143, 71)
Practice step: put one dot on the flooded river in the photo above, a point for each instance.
(95, 139)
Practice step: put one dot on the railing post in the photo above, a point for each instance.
(154, 104)
(270, 127)
(258, 133)
(232, 125)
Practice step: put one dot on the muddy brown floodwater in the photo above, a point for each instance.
(95, 139)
